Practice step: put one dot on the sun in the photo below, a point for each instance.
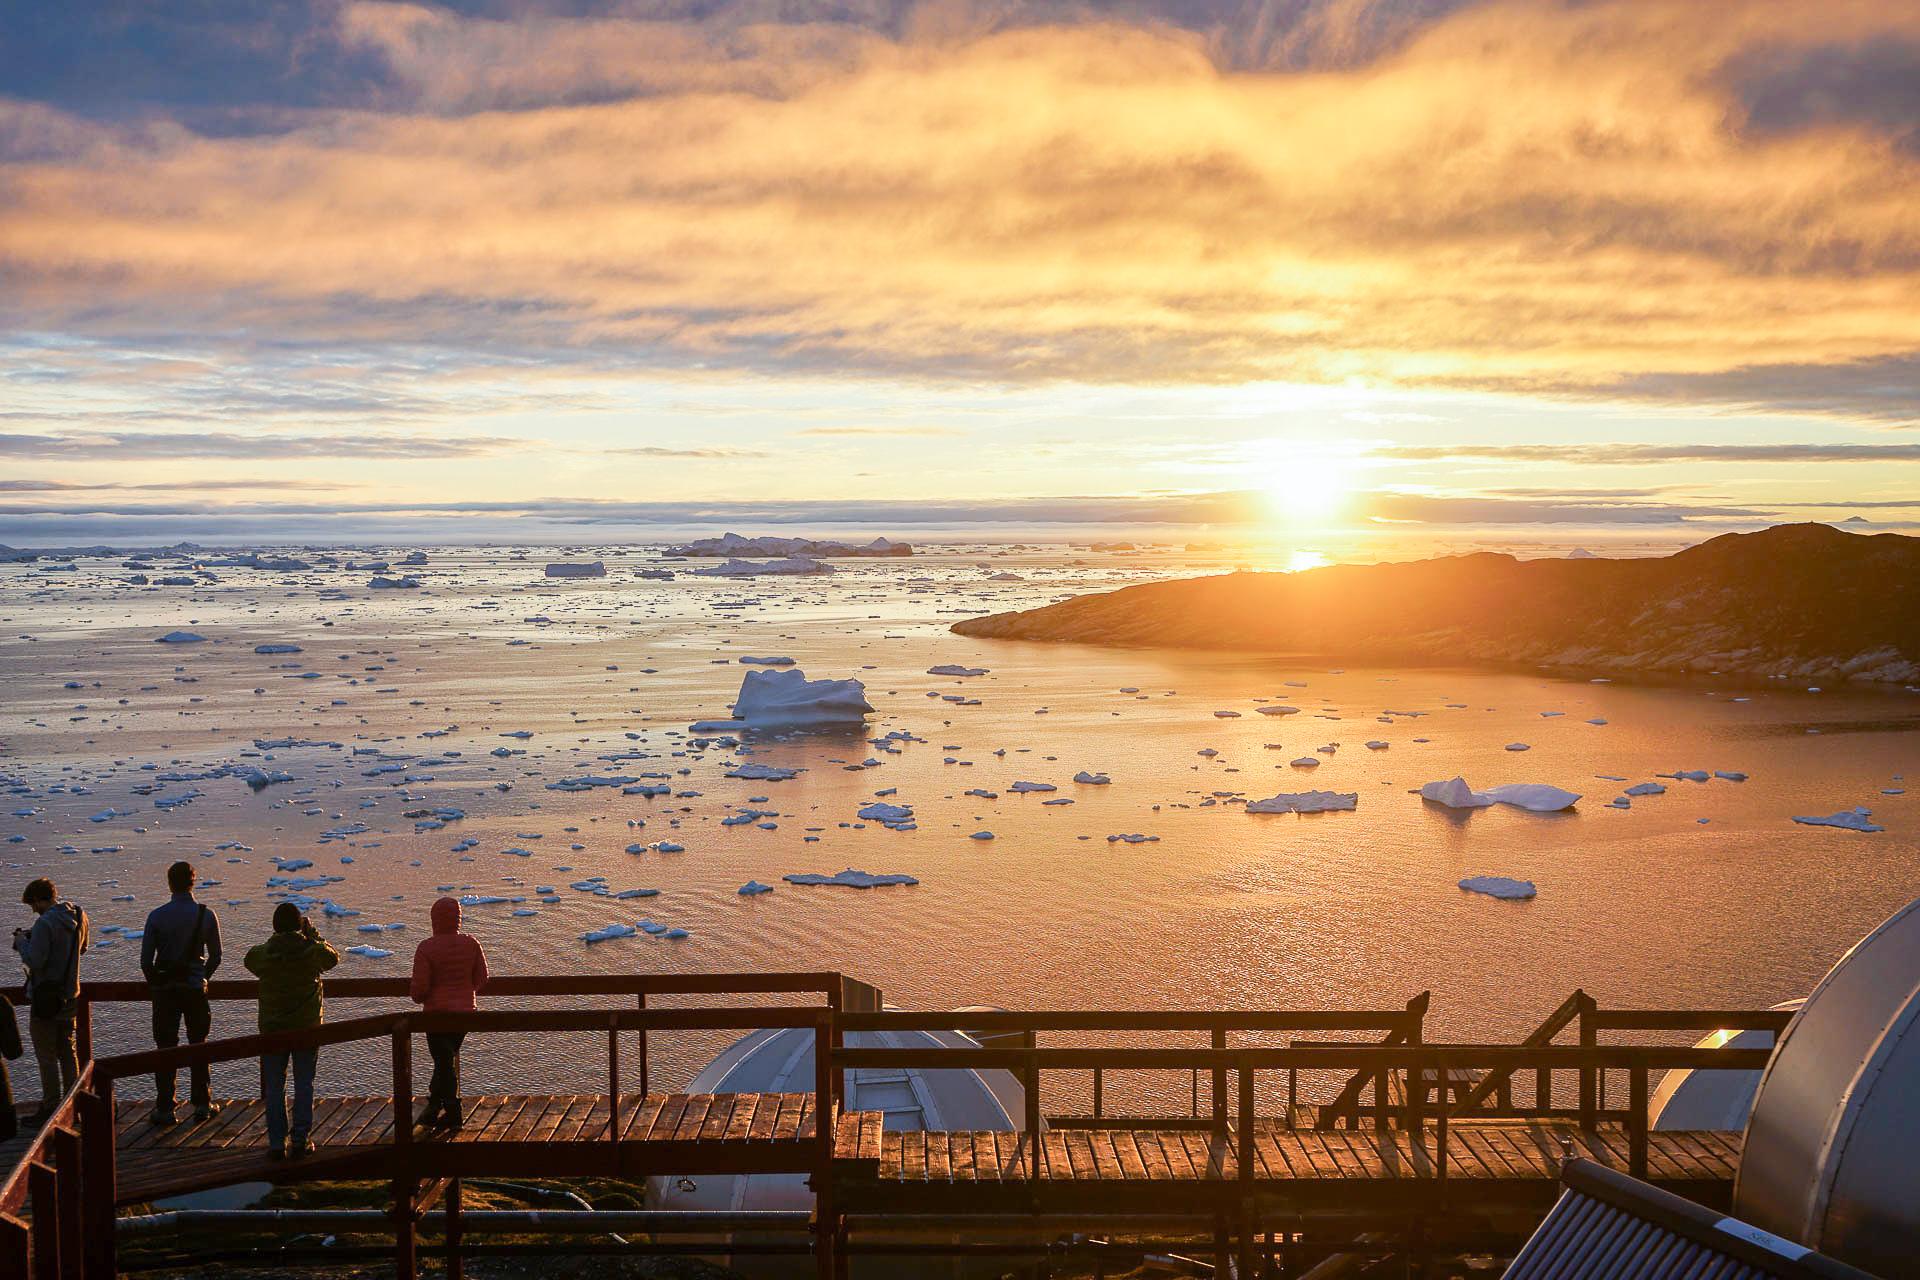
(1307, 489)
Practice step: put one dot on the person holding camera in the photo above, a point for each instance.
(178, 952)
(289, 965)
(51, 949)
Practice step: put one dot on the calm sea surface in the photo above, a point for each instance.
(1707, 895)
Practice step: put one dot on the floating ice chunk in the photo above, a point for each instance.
(1092, 779)
(952, 669)
(754, 771)
(1032, 786)
(850, 878)
(766, 662)
(1646, 789)
(1537, 797)
(791, 566)
(1730, 775)
(879, 811)
(606, 933)
(1306, 802)
(786, 699)
(1498, 886)
(379, 583)
(1848, 819)
(1278, 711)
(180, 637)
(577, 569)
(1305, 762)
(981, 835)
(1518, 746)
(370, 953)
(1377, 745)
(277, 648)
(753, 888)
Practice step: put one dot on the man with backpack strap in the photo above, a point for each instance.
(178, 953)
(51, 950)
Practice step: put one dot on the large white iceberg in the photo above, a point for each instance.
(1537, 797)
(783, 698)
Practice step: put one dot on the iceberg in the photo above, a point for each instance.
(1306, 802)
(577, 569)
(1499, 887)
(953, 669)
(753, 889)
(1535, 797)
(850, 879)
(379, 583)
(180, 637)
(754, 568)
(1847, 820)
(732, 544)
(785, 699)
(1092, 779)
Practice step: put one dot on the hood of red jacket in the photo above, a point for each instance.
(446, 915)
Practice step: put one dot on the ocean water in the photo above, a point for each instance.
(1709, 895)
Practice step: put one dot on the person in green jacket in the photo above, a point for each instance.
(289, 965)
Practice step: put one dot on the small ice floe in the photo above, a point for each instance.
(766, 662)
(754, 771)
(1032, 786)
(1305, 762)
(1646, 789)
(1133, 837)
(577, 569)
(1686, 775)
(954, 669)
(753, 889)
(1536, 797)
(1088, 778)
(1278, 711)
(850, 878)
(1499, 887)
(1306, 802)
(1377, 745)
(608, 932)
(380, 583)
(180, 637)
(276, 648)
(380, 928)
(1518, 746)
(1598, 720)
(1226, 715)
(790, 566)
(1856, 819)
(369, 953)
(981, 835)
(887, 814)
(1730, 775)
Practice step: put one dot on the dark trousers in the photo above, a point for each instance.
(171, 1007)
(53, 1050)
(444, 1046)
(273, 1093)
(9, 1118)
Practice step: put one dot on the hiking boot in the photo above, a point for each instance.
(430, 1117)
(203, 1114)
(450, 1117)
(300, 1148)
(276, 1152)
(162, 1117)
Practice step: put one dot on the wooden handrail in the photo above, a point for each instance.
(827, 984)
(1552, 1025)
(1001, 1020)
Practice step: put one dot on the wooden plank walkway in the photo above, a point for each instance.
(561, 1134)
(539, 1132)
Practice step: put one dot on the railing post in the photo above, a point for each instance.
(1219, 1042)
(456, 1265)
(99, 1189)
(646, 1084)
(1247, 1160)
(1637, 1120)
(1033, 1120)
(1440, 1134)
(826, 1218)
(1589, 1077)
(83, 1029)
(613, 1078)
(405, 1261)
(402, 1084)
(16, 1248)
(836, 1004)
(43, 1189)
(1098, 1109)
(65, 1144)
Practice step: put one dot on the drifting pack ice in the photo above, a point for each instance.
(732, 545)
(1535, 796)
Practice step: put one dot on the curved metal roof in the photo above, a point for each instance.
(1710, 1099)
(1832, 1152)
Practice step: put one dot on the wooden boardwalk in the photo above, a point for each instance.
(957, 1171)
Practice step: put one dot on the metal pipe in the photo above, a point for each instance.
(654, 1221)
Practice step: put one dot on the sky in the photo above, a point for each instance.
(1364, 273)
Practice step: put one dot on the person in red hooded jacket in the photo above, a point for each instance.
(449, 970)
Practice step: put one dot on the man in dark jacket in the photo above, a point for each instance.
(51, 950)
(289, 965)
(178, 952)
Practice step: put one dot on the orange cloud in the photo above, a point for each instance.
(1524, 196)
